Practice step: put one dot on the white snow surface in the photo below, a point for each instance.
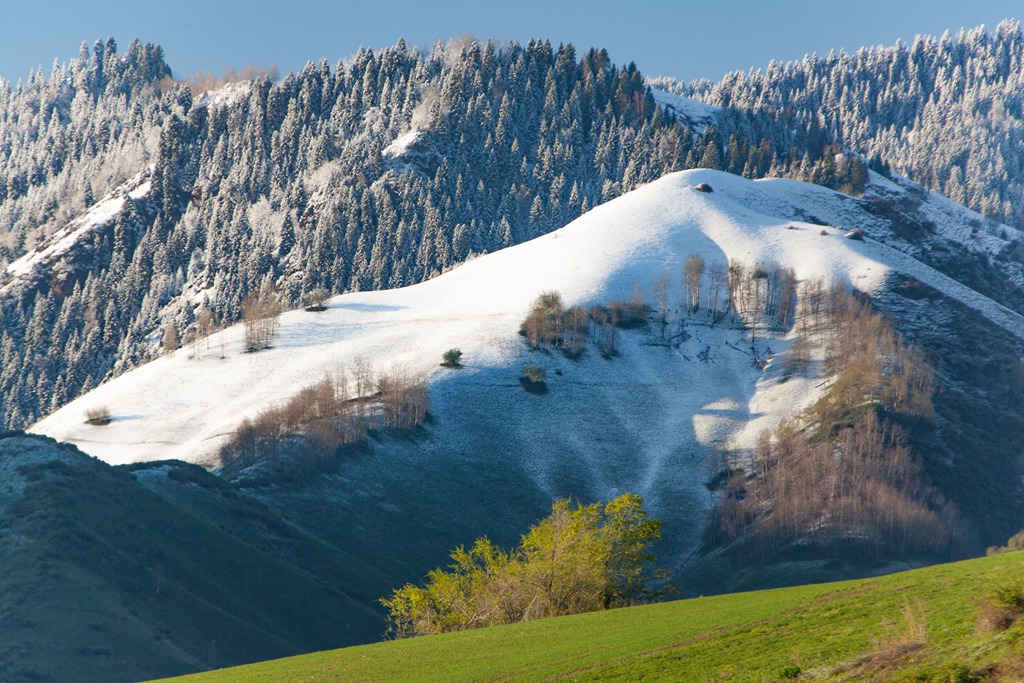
(662, 407)
(402, 143)
(227, 94)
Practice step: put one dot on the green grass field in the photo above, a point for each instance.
(919, 625)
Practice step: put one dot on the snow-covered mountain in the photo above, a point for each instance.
(179, 407)
(643, 421)
(129, 210)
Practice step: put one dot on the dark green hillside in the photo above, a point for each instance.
(115, 574)
(934, 624)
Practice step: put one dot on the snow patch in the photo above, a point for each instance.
(699, 114)
(79, 229)
(227, 95)
(402, 144)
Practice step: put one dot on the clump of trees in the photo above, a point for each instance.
(340, 409)
(202, 82)
(763, 294)
(550, 325)
(841, 474)
(872, 365)
(630, 314)
(581, 558)
(759, 295)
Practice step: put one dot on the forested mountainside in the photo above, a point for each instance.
(67, 140)
(398, 164)
(948, 112)
(383, 171)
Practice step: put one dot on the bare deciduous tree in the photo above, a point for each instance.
(260, 311)
(201, 331)
(717, 278)
(659, 290)
(170, 338)
(693, 271)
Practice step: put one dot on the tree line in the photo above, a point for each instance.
(945, 111)
(310, 428)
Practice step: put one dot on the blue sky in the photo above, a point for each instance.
(685, 38)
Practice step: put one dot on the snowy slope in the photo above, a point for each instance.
(641, 422)
(180, 408)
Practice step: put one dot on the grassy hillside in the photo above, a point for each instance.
(920, 625)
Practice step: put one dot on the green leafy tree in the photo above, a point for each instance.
(580, 558)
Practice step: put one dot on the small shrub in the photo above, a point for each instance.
(790, 672)
(534, 373)
(451, 358)
(947, 673)
(98, 416)
(1010, 595)
(532, 379)
(1002, 608)
(315, 300)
